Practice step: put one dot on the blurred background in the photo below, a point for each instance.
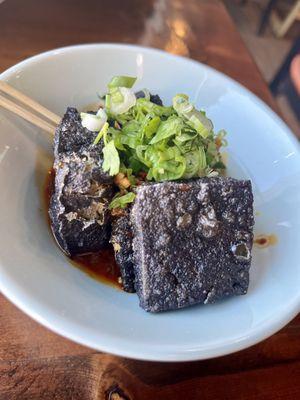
(200, 29)
(271, 32)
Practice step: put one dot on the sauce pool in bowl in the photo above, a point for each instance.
(101, 265)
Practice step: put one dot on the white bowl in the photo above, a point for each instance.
(36, 276)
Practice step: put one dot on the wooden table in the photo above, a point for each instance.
(37, 364)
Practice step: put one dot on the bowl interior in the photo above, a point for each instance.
(38, 278)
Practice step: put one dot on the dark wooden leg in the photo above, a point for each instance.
(265, 17)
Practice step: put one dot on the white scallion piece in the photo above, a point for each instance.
(121, 107)
(93, 122)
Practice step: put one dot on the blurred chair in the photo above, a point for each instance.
(279, 26)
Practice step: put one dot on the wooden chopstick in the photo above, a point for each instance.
(35, 120)
(21, 97)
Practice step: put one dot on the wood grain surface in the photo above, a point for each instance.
(36, 363)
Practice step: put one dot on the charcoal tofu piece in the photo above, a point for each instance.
(121, 240)
(79, 205)
(153, 97)
(192, 241)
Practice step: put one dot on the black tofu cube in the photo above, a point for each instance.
(121, 239)
(192, 241)
(80, 218)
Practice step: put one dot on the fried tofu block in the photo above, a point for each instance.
(121, 239)
(80, 219)
(192, 241)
